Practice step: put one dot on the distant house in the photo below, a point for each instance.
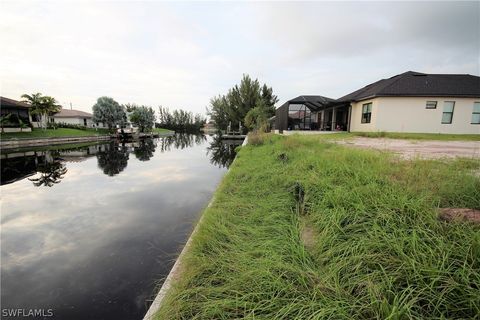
(209, 127)
(15, 115)
(74, 117)
(408, 102)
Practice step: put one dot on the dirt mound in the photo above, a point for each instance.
(460, 214)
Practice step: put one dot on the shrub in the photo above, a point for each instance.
(257, 138)
(55, 125)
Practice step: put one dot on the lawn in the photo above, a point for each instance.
(54, 133)
(419, 136)
(302, 228)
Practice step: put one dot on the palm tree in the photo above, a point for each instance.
(34, 99)
(49, 107)
(42, 105)
(4, 120)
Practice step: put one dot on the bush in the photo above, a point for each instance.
(56, 125)
(257, 138)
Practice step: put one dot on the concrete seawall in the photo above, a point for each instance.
(35, 142)
(175, 272)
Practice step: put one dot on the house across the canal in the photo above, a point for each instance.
(15, 115)
(408, 102)
(74, 117)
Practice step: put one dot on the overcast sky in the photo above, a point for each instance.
(181, 54)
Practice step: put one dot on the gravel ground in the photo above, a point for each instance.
(427, 149)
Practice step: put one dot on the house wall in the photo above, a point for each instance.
(28, 129)
(409, 114)
(74, 121)
(356, 124)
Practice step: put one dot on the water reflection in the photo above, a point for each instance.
(48, 167)
(113, 159)
(94, 245)
(181, 141)
(222, 152)
(52, 170)
(18, 166)
(145, 149)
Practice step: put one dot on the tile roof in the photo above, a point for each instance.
(416, 84)
(67, 113)
(6, 102)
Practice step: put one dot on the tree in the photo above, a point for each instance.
(42, 106)
(129, 107)
(256, 118)
(143, 117)
(235, 105)
(5, 119)
(109, 112)
(180, 120)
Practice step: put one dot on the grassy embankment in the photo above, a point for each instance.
(419, 136)
(305, 229)
(54, 133)
(64, 132)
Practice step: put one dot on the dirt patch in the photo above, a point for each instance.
(427, 149)
(307, 235)
(460, 214)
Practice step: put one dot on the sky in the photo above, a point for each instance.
(181, 54)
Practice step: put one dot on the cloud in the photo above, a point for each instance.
(182, 54)
(313, 30)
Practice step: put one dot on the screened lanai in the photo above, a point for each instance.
(312, 113)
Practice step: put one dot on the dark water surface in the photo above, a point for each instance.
(87, 232)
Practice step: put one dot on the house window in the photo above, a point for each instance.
(85, 122)
(366, 112)
(476, 113)
(447, 115)
(431, 105)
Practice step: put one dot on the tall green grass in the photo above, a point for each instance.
(380, 252)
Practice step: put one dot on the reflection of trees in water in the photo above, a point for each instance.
(180, 141)
(113, 159)
(222, 152)
(145, 149)
(52, 171)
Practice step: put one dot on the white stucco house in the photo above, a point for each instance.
(75, 117)
(408, 102)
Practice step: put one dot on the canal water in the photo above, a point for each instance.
(88, 231)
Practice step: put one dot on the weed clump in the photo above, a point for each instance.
(257, 138)
(283, 157)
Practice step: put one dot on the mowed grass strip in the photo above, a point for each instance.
(55, 133)
(379, 250)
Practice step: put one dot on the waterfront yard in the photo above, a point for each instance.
(303, 228)
(54, 133)
(65, 132)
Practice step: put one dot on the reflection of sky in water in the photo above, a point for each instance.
(92, 246)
